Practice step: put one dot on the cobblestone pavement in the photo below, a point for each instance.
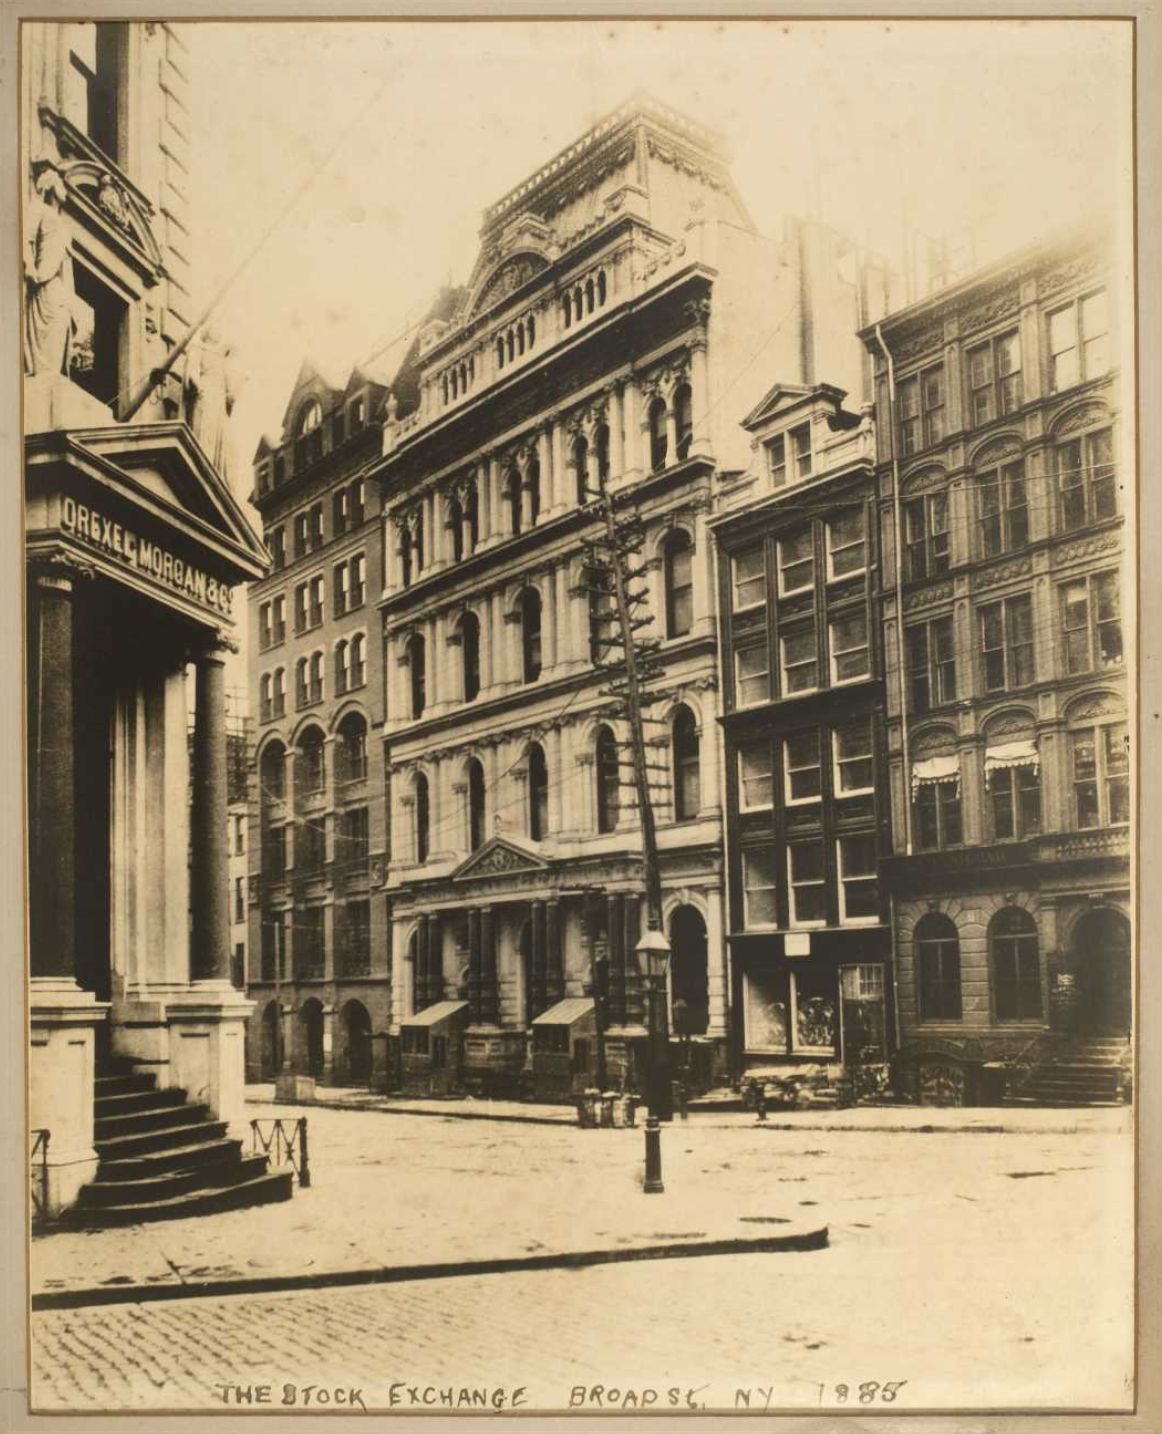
(951, 1264)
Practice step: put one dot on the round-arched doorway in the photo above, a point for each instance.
(1103, 960)
(689, 973)
(311, 1037)
(357, 1043)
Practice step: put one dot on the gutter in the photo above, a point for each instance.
(896, 517)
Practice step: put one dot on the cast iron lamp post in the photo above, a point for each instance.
(654, 954)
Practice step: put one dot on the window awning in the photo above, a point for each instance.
(1010, 754)
(936, 769)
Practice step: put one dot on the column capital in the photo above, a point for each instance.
(57, 569)
(214, 649)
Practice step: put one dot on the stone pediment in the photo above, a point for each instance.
(498, 857)
(786, 396)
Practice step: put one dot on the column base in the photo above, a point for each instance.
(62, 1082)
(292, 1089)
(207, 1027)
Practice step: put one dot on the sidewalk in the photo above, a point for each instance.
(894, 1119)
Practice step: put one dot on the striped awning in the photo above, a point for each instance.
(936, 769)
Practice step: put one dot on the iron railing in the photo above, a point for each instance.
(39, 1174)
(284, 1142)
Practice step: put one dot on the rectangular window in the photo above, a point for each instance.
(1101, 775)
(777, 460)
(264, 628)
(755, 780)
(278, 621)
(802, 768)
(759, 888)
(1064, 370)
(301, 608)
(936, 814)
(339, 506)
(239, 900)
(850, 659)
(302, 534)
(800, 661)
(796, 562)
(1086, 480)
(239, 835)
(846, 544)
(342, 582)
(317, 526)
(316, 595)
(1091, 623)
(752, 675)
(926, 540)
(1015, 797)
(931, 664)
(276, 541)
(801, 444)
(750, 579)
(358, 580)
(808, 883)
(854, 771)
(857, 878)
(921, 403)
(1079, 342)
(355, 499)
(1004, 510)
(355, 832)
(1006, 639)
(994, 378)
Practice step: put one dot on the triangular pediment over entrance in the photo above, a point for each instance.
(499, 856)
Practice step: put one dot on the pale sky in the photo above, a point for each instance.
(1014, 128)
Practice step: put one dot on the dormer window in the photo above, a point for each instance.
(801, 450)
(789, 456)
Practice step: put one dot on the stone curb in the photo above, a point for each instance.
(816, 1239)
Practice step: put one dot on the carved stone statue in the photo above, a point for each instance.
(48, 276)
(210, 396)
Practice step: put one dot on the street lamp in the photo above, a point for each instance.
(654, 955)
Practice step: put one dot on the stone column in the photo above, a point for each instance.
(701, 561)
(466, 542)
(475, 966)
(671, 433)
(578, 623)
(539, 983)
(586, 798)
(554, 969)
(210, 864)
(615, 928)
(63, 1018)
(501, 520)
(562, 498)
(391, 576)
(550, 623)
(616, 433)
(634, 1002)
(488, 991)
(631, 431)
(717, 965)
(699, 397)
(432, 664)
(422, 998)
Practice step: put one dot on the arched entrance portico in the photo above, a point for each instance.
(689, 972)
(311, 1038)
(1103, 959)
(357, 1043)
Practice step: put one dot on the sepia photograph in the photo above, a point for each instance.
(580, 723)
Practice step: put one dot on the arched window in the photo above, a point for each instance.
(473, 516)
(590, 295)
(510, 346)
(538, 779)
(302, 692)
(520, 338)
(421, 816)
(608, 781)
(658, 436)
(310, 417)
(601, 453)
(683, 418)
(358, 660)
(272, 774)
(532, 330)
(278, 695)
(310, 768)
(601, 287)
(530, 629)
(687, 798)
(475, 804)
(679, 571)
(419, 683)
(533, 484)
(567, 310)
(455, 526)
(455, 383)
(265, 706)
(342, 667)
(470, 655)
(316, 690)
(1016, 964)
(500, 352)
(406, 557)
(581, 465)
(512, 498)
(578, 302)
(938, 968)
(352, 754)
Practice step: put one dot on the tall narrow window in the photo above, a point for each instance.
(858, 896)
(760, 887)
(687, 797)
(936, 810)
(802, 769)
(601, 453)
(278, 698)
(1006, 630)
(926, 536)
(931, 664)
(683, 418)
(530, 629)
(755, 779)
(800, 442)
(581, 468)
(532, 486)
(342, 667)
(850, 655)
(679, 573)
(538, 780)
(608, 781)
(752, 675)
(1101, 775)
(994, 377)
(808, 883)
(475, 804)
(1079, 342)
(419, 682)
(1086, 480)
(1004, 510)
(796, 562)
(800, 661)
(455, 526)
(1016, 962)
(921, 406)
(358, 661)
(473, 512)
(938, 968)
(422, 818)
(749, 571)
(470, 655)
(659, 439)
(1091, 622)
(1015, 799)
(512, 493)
(854, 769)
